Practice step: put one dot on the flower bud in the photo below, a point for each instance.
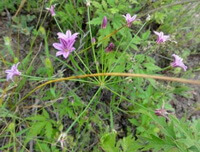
(110, 47)
(104, 22)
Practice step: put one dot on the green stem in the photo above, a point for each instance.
(58, 24)
(166, 68)
(93, 51)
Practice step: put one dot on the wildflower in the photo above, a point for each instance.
(161, 37)
(161, 112)
(110, 47)
(93, 40)
(51, 10)
(67, 36)
(178, 62)
(12, 72)
(104, 22)
(129, 19)
(65, 46)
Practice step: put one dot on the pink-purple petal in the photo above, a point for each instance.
(58, 46)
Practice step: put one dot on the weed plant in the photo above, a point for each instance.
(98, 75)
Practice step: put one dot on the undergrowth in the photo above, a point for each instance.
(86, 76)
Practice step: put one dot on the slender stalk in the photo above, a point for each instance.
(93, 51)
(58, 24)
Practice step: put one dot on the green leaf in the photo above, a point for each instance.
(96, 21)
(97, 5)
(136, 40)
(146, 35)
(43, 147)
(151, 67)
(129, 144)
(113, 10)
(37, 117)
(48, 130)
(35, 129)
(140, 58)
(159, 17)
(104, 4)
(134, 1)
(108, 142)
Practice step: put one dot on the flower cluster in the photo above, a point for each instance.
(65, 46)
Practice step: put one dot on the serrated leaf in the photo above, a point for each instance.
(140, 58)
(97, 5)
(136, 40)
(146, 35)
(151, 67)
(134, 47)
(96, 21)
(111, 2)
(35, 129)
(42, 147)
(129, 144)
(45, 113)
(133, 1)
(108, 142)
(113, 10)
(104, 4)
(48, 130)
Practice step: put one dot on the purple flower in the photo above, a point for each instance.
(12, 72)
(129, 19)
(51, 10)
(93, 40)
(178, 62)
(104, 22)
(161, 112)
(110, 47)
(67, 36)
(65, 46)
(161, 37)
